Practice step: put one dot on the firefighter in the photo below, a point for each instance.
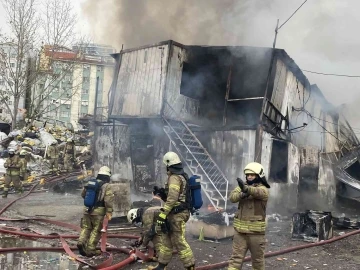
(52, 155)
(69, 155)
(175, 213)
(23, 169)
(249, 221)
(150, 232)
(13, 165)
(92, 221)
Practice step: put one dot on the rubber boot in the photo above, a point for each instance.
(81, 249)
(191, 267)
(160, 266)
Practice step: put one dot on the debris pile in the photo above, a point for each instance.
(33, 141)
(312, 226)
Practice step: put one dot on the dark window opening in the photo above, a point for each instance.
(192, 81)
(354, 170)
(279, 162)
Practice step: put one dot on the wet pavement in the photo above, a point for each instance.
(32, 260)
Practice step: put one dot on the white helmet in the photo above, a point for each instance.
(11, 150)
(255, 168)
(132, 214)
(105, 170)
(171, 158)
(69, 140)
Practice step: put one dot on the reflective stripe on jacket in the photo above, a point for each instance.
(176, 192)
(251, 214)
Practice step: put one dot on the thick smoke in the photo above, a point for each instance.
(319, 37)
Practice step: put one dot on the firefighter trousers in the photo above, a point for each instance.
(15, 179)
(68, 163)
(176, 239)
(243, 242)
(90, 234)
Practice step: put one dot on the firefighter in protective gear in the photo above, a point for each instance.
(249, 221)
(52, 155)
(92, 222)
(150, 231)
(13, 165)
(176, 213)
(23, 169)
(69, 155)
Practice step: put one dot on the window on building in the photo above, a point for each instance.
(85, 91)
(13, 55)
(10, 102)
(99, 68)
(65, 114)
(86, 79)
(1, 110)
(2, 83)
(86, 66)
(12, 65)
(85, 103)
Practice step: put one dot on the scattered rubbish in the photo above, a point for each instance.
(346, 223)
(312, 226)
(273, 218)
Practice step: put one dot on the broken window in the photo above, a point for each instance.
(354, 170)
(192, 81)
(279, 162)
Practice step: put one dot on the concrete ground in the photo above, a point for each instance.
(344, 254)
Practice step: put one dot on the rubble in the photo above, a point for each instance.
(35, 141)
(312, 226)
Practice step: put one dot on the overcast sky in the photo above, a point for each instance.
(322, 36)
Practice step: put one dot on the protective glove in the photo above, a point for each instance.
(244, 188)
(109, 216)
(161, 220)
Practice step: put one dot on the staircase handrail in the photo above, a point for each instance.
(227, 182)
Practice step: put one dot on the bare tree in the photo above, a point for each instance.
(48, 25)
(23, 22)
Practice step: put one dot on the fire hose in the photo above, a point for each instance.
(282, 251)
(133, 255)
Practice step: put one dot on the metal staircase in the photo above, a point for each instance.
(198, 160)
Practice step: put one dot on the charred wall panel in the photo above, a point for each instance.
(181, 106)
(231, 150)
(112, 148)
(141, 80)
(266, 152)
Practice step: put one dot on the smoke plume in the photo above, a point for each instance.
(320, 37)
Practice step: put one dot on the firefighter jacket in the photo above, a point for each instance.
(105, 201)
(251, 214)
(148, 222)
(13, 165)
(52, 152)
(23, 166)
(175, 189)
(70, 150)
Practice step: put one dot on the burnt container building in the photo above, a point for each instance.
(220, 108)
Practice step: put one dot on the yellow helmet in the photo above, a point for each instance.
(132, 214)
(255, 168)
(105, 170)
(171, 158)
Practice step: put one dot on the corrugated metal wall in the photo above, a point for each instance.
(181, 106)
(140, 85)
(232, 150)
(289, 93)
(114, 153)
